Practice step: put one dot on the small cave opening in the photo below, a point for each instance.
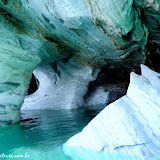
(33, 86)
(153, 56)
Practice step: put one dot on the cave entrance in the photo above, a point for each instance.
(33, 86)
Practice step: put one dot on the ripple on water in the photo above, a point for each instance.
(41, 134)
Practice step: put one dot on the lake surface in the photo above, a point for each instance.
(41, 134)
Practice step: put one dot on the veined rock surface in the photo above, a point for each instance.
(63, 88)
(91, 33)
(128, 126)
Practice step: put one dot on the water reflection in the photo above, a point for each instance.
(42, 133)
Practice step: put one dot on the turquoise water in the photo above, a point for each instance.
(41, 134)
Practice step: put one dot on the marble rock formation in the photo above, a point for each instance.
(65, 87)
(104, 95)
(89, 32)
(60, 89)
(128, 126)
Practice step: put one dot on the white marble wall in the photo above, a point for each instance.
(128, 126)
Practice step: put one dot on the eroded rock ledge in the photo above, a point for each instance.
(128, 126)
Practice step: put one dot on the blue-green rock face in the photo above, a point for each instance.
(90, 32)
(151, 18)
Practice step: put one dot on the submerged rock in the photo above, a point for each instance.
(127, 126)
